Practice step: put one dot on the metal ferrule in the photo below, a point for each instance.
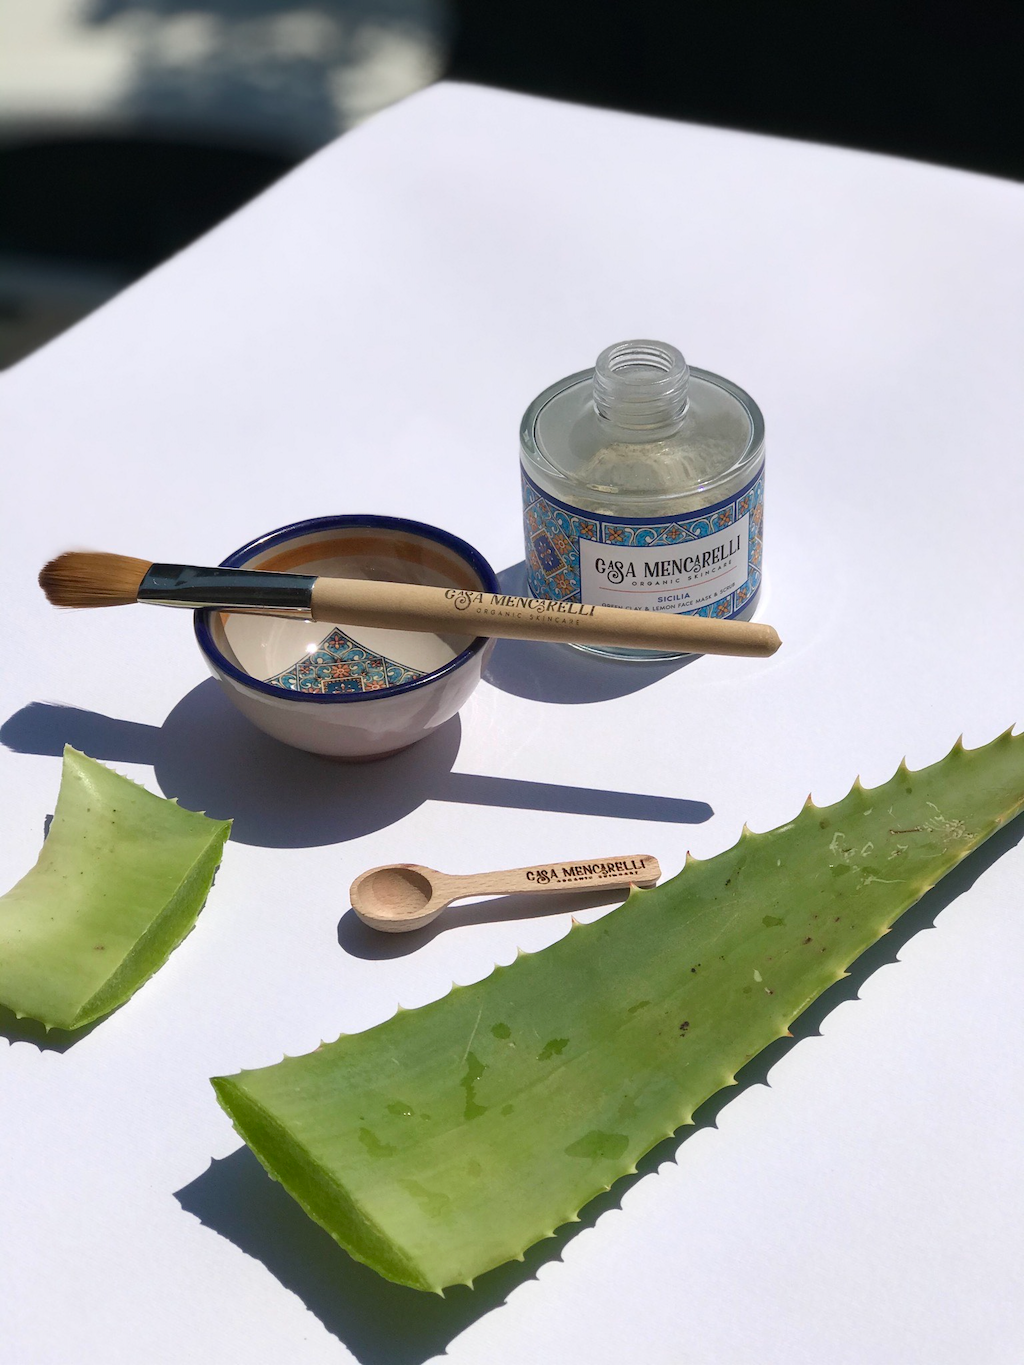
(240, 590)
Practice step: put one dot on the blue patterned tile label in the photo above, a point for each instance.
(342, 664)
(706, 563)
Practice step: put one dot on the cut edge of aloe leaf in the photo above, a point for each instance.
(171, 928)
(321, 1197)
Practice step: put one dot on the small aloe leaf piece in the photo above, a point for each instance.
(452, 1137)
(118, 884)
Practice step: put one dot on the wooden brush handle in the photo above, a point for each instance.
(638, 869)
(410, 606)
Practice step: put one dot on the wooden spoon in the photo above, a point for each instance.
(405, 896)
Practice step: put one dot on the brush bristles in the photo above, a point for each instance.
(82, 578)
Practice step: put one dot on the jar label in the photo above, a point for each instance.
(705, 563)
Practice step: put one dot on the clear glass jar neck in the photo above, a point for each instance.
(642, 388)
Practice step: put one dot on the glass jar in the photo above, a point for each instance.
(643, 487)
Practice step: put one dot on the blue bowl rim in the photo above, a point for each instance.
(239, 558)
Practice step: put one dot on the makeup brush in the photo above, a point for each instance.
(83, 579)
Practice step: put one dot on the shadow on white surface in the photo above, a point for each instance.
(359, 940)
(208, 756)
(561, 674)
(385, 1324)
(17, 1030)
(381, 1323)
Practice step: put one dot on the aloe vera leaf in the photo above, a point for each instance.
(118, 884)
(452, 1137)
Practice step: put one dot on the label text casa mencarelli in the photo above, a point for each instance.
(581, 872)
(650, 572)
(681, 577)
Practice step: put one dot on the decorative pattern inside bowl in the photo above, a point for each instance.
(341, 664)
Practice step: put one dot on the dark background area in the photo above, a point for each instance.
(939, 80)
(85, 211)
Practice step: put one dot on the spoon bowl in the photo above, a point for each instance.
(400, 896)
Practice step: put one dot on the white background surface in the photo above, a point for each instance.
(365, 337)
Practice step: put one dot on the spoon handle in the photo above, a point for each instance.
(636, 869)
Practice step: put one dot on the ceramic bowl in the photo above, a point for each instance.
(356, 692)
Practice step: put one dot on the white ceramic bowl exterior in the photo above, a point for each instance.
(401, 687)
